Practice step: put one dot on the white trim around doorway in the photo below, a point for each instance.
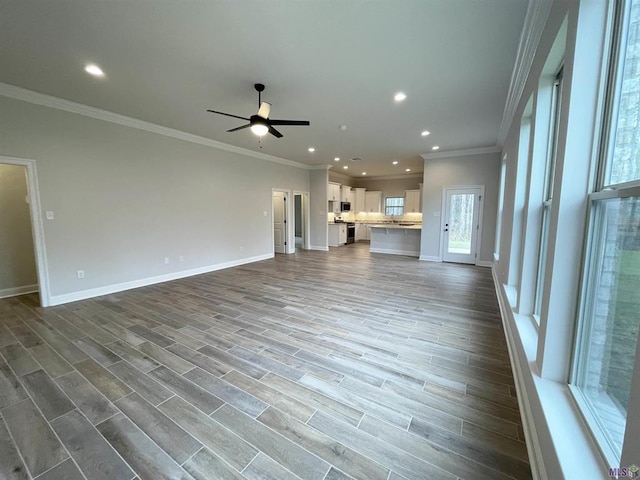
(306, 220)
(37, 227)
(443, 215)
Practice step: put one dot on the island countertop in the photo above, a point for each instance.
(397, 226)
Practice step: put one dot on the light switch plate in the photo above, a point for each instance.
(49, 215)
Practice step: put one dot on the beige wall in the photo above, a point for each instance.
(465, 170)
(124, 198)
(17, 259)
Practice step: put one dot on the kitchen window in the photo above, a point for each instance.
(608, 323)
(394, 206)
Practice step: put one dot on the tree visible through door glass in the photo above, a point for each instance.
(461, 223)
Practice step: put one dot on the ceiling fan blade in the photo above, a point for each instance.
(290, 122)
(274, 132)
(263, 111)
(239, 128)
(228, 115)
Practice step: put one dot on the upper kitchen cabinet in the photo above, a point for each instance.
(372, 201)
(345, 194)
(358, 200)
(412, 203)
(333, 192)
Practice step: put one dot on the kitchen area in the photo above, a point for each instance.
(385, 213)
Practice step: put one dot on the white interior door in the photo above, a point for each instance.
(461, 224)
(279, 222)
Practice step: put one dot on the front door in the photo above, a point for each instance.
(462, 208)
(279, 222)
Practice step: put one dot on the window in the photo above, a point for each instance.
(503, 179)
(394, 205)
(548, 190)
(608, 324)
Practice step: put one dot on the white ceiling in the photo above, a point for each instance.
(331, 62)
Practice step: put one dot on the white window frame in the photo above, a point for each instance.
(549, 179)
(601, 192)
(387, 207)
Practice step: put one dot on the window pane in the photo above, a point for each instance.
(607, 343)
(394, 206)
(625, 163)
(542, 258)
(461, 223)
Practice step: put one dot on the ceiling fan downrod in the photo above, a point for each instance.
(259, 88)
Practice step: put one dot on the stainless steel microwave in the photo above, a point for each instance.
(345, 206)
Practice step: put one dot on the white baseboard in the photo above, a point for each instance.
(15, 291)
(484, 263)
(528, 424)
(430, 258)
(392, 251)
(143, 282)
(320, 249)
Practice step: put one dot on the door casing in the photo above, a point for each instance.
(479, 191)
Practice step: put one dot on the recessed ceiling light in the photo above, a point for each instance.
(364, 173)
(311, 149)
(346, 167)
(435, 147)
(395, 162)
(342, 127)
(399, 97)
(425, 133)
(407, 169)
(93, 69)
(337, 159)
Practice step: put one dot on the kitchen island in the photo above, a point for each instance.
(396, 239)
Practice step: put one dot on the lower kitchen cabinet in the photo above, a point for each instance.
(337, 234)
(363, 232)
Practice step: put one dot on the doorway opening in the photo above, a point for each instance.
(280, 213)
(22, 261)
(462, 208)
(301, 220)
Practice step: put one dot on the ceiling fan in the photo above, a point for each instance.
(260, 123)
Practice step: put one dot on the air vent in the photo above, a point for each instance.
(356, 159)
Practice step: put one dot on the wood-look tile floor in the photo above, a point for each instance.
(339, 365)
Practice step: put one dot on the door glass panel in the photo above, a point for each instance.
(460, 223)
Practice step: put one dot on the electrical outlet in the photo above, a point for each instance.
(49, 215)
(80, 274)
(166, 260)
(181, 258)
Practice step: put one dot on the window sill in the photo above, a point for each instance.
(558, 441)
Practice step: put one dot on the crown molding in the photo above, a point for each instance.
(318, 167)
(19, 93)
(390, 177)
(534, 23)
(461, 153)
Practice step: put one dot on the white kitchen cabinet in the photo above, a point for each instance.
(337, 234)
(412, 202)
(372, 201)
(345, 194)
(358, 200)
(333, 192)
(361, 231)
(342, 234)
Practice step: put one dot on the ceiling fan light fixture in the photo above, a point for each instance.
(260, 129)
